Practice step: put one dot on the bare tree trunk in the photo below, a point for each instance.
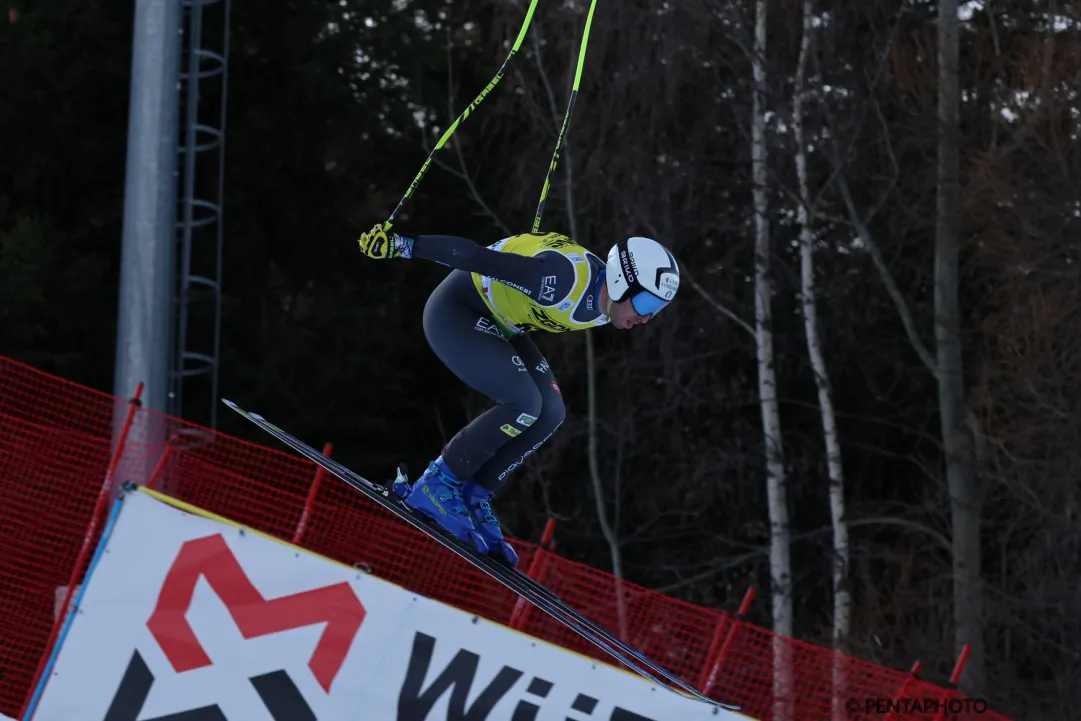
(780, 572)
(842, 600)
(963, 438)
(965, 493)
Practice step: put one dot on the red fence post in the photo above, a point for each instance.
(955, 678)
(313, 491)
(539, 565)
(84, 550)
(901, 692)
(705, 684)
(156, 474)
(714, 647)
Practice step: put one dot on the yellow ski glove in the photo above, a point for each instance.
(378, 245)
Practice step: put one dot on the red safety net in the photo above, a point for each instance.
(57, 441)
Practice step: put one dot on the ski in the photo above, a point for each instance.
(515, 580)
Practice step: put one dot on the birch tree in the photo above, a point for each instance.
(842, 600)
(780, 571)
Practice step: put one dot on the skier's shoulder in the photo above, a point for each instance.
(534, 243)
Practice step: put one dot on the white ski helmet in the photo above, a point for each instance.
(644, 271)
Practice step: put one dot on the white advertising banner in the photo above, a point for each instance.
(189, 618)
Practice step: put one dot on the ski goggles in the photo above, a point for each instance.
(647, 304)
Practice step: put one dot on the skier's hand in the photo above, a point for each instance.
(378, 245)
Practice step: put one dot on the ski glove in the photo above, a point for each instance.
(377, 244)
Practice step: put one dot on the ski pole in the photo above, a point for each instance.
(566, 116)
(465, 114)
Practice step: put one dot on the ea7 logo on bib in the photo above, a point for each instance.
(211, 560)
(547, 289)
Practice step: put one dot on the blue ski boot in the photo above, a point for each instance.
(478, 500)
(438, 495)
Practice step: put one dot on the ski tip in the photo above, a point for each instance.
(705, 699)
(230, 404)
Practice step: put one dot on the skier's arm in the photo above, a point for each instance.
(464, 254)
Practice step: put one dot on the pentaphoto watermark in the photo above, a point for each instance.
(882, 705)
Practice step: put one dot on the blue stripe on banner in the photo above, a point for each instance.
(76, 603)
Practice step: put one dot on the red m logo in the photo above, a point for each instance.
(211, 558)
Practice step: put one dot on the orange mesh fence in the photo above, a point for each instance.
(56, 443)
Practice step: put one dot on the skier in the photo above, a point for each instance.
(477, 322)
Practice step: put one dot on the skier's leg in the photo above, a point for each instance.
(494, 474)
(479, 490)
(462, 335)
